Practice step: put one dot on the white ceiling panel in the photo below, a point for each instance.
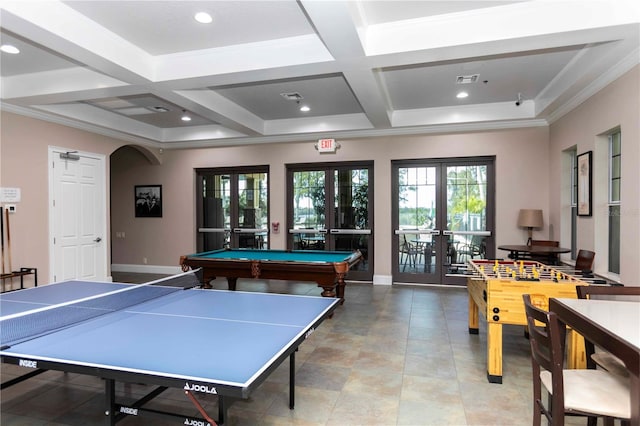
(364, 67)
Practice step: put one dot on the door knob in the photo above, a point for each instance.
(97, 240)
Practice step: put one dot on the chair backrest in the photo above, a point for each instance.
(547, 352)
(584, 261)
(608, 292)
(405, 245)
(546, 243)
(479, 242)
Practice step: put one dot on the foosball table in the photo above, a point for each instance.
(496, 288)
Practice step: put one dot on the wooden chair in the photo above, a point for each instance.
(584, 261)
(591, 393)
(550, 259)
(602, 358)
(546, 243)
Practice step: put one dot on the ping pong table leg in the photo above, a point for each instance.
(222, 409)
(292, 379)
(231, 282)
(110, 401)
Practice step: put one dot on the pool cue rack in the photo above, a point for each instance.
(5, 250)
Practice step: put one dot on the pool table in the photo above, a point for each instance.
(327, 268)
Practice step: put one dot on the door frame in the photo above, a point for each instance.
(330, 233)
(235, 230)
(104, 255)
(443, 277)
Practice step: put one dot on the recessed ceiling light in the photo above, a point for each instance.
(8, 48)
(185, 116)
(203, 18)
(462, 95)
(305, 108)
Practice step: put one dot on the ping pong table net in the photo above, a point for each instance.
(38, 322)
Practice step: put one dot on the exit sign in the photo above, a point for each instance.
(327, 145)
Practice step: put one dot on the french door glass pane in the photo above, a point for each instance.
(309, 208)
(351, 199)
(416, 210)
(351, 211)
(466, 207)
(252, 209)
(417, 191)
(216, 202)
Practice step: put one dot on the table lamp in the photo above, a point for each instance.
(530, 218)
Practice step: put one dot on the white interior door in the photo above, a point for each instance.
(77, 215)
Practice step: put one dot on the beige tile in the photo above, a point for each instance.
(357, 408)
(380, 382)
(391, 355)
(311, 405)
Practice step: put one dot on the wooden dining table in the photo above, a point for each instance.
(517, 252)
(613, 325)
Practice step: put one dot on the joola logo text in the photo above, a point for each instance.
(193, 422)
(309, 333)
(27, 363)
(129, 410)
(200, 388)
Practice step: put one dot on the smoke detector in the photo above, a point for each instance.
(467, 79)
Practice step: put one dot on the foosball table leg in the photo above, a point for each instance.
(576, 354)
(473, 316)
(494, 352)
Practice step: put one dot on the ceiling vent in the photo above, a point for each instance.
(467, 79)
(293, 96)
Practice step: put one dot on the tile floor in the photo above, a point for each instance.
(391, 355)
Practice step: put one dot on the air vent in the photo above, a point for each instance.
(293, 96)
(467, 79)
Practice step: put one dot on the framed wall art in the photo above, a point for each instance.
(584, 184)
(148, 200)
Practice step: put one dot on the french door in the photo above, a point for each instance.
(232, 208)
(443, 215)
(330, 207)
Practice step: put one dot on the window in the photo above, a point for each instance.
(615, 155)
(574, 202)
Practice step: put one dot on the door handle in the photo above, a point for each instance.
(97, 240)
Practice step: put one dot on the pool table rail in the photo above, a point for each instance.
(329, 275)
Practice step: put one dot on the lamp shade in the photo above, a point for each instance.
(530, 218)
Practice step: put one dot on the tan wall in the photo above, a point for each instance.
(528, 168)
(617, 105)
(24, 146)
(522, 176)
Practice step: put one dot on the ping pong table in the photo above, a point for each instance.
(163, 333)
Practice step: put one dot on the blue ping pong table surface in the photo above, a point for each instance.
(224, 338)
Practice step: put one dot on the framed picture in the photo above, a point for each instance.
(584, 184)
(148, 200)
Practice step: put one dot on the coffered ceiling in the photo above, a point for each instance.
(132, 69)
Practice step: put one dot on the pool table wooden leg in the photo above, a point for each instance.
(340, 292)
(206, 279)
(340, 285)
(329, 290)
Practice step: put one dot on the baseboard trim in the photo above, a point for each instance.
(145, 269)
(382, 280)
